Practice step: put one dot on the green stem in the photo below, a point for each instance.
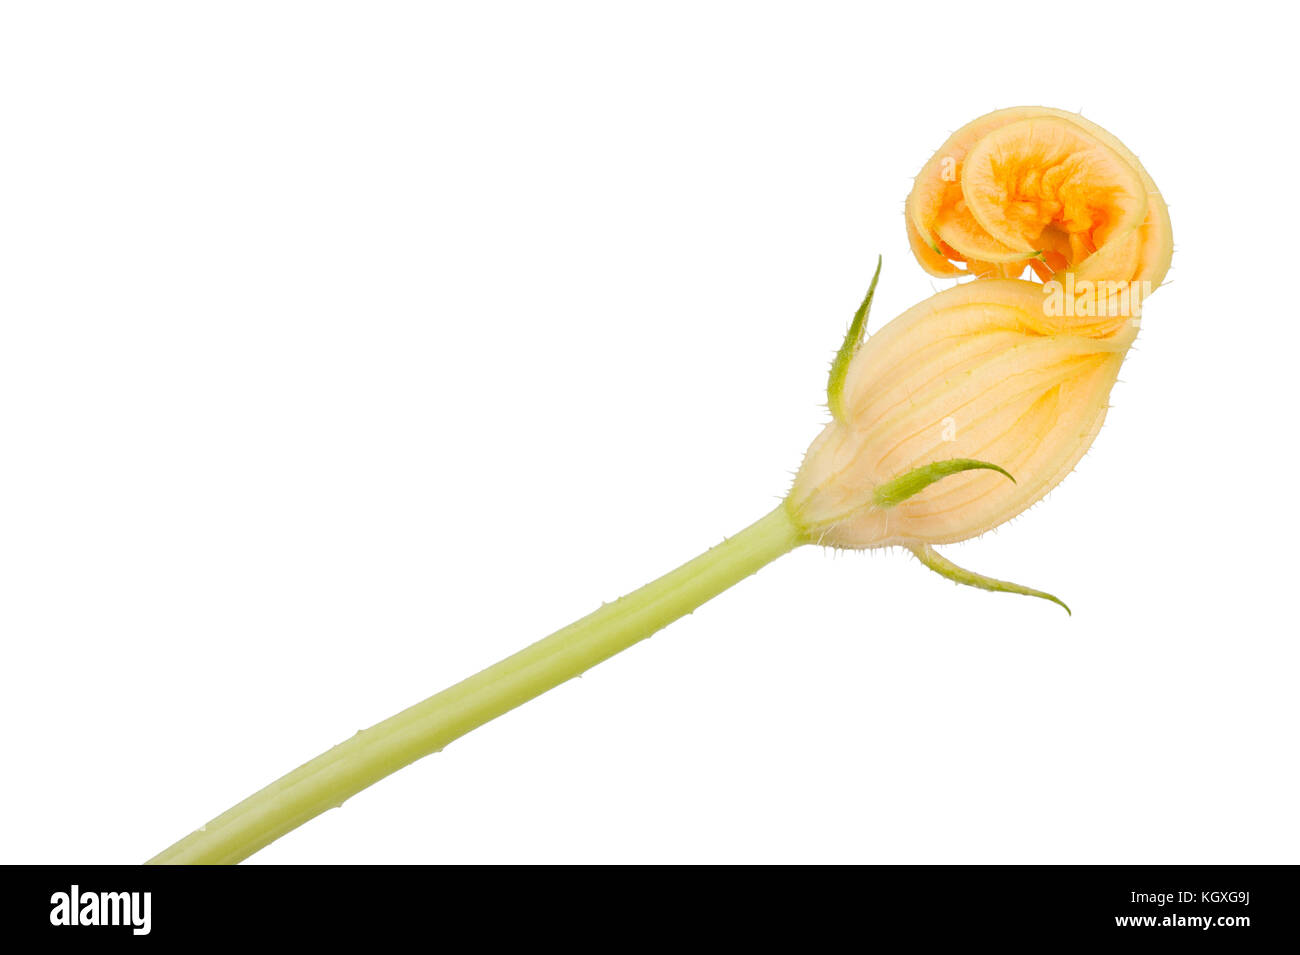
(326, 781)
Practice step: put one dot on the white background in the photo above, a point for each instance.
(346, 348)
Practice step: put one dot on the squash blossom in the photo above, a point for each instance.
(950, 420)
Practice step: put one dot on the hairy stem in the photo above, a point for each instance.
(326, 781)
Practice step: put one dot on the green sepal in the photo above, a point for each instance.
(840, 366)
(894, 492)
(946, 568)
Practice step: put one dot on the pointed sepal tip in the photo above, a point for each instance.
(945, 568)
(840, 366)
(894, 492)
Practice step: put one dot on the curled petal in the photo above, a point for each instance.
(1043, 188)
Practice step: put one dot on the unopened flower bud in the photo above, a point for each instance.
(953, 418)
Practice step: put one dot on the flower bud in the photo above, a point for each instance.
(1039, 187)
(971, 382)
